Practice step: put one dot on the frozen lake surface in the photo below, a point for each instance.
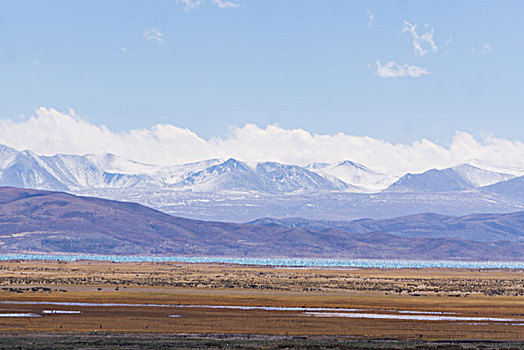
(291, 262)
(424, 317)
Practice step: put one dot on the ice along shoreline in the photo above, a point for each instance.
(280, 262)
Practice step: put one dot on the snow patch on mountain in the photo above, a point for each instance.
(498, 169)
(480, 177)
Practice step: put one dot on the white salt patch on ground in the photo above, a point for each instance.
(309, 311)
(422, 312)
(412, 317)
(65, 303)
(267, 308)
(20, 315)
(312, 268)
(61, 312)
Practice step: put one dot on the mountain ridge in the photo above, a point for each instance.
(74, 173)
(475, 227)
(233, 190)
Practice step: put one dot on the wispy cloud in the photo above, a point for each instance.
(154, 35)
(190, 4)
(486, 49)
(121, 48)
(225, 4)
(394, 70)
(422, 43)
(371, 19)
(37, 63)
(50, 131)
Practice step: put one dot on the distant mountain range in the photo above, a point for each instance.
(73, 172)
(475, 227)
(232, 190)
(34, 221)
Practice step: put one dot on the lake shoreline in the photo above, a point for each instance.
(276, 262)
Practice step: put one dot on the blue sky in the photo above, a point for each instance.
(300, 64)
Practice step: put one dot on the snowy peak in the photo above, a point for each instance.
(289, 178)
(459, 178)
(231, 175)
(231, 165)
(7, 156)
(431, 181)
(79, 172)
(358, 176)
(59, 172)
(22, 169)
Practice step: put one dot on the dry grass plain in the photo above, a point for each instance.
(460, 292)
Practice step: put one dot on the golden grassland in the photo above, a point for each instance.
(475, 293)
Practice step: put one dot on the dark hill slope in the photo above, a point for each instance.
(40, 221)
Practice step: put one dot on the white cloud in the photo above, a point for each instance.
(225, 4)
(422, 43)
(371, 19)
(394, 70)
(190, 4)
(37, 63)
(446, 45)
(154, 35)
(121, 48)
(49, 132)
(486, 49)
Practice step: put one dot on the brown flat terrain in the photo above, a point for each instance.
(380, 296)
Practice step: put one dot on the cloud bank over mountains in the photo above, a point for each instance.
(49, 132)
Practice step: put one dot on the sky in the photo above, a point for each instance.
(395, 73)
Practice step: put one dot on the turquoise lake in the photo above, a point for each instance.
(291, 262)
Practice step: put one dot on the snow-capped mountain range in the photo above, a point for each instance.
(233, 190)
(75, 173)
